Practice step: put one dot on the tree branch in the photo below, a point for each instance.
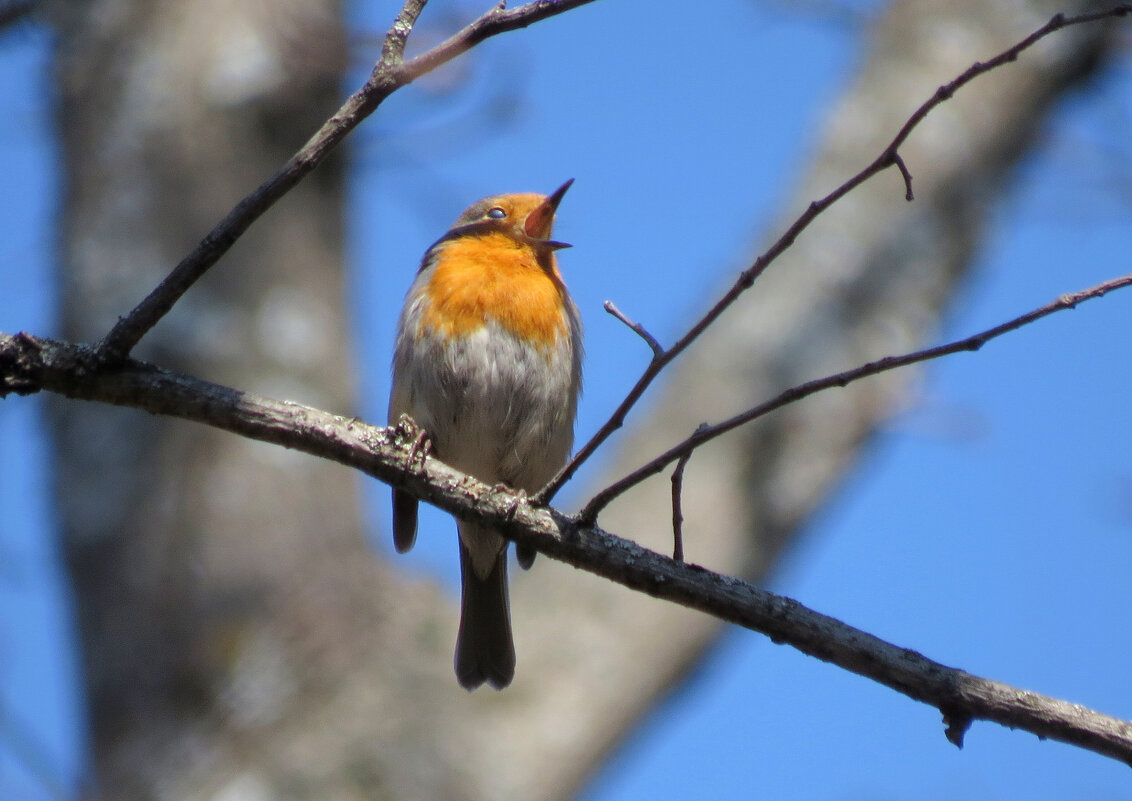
(706, 433)
(29, 364)
(389, 74)
(678, 508)
(889, 157)
(636, 328)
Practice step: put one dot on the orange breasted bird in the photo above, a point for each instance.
(488, 363)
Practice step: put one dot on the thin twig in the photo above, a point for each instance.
(898, 160)
(889, 157)
(677, 508)
(637, 328)
(29, 364)
(389, 74)
(705, 434)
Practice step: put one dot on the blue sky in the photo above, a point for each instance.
(990, 527)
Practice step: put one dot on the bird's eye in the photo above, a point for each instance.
(496, 213)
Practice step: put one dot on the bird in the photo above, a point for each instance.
(488, 365)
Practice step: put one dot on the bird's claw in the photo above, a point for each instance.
(420, 443)
(517, 499)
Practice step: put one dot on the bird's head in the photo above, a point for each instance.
(528, 217)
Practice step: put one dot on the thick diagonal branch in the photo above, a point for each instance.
(28, 364)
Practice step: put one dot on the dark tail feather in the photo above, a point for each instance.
(485, 650)
(404, 521)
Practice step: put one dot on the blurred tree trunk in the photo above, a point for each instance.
(239, 637)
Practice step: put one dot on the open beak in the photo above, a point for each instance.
(540, 221)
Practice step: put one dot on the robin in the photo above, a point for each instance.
(488, 363)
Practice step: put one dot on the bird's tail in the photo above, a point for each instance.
(485, 650)
(404, 521)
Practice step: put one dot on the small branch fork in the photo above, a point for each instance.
(888, 158)
(29, 364)
(389, 74)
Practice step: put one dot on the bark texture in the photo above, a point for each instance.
(240, 639)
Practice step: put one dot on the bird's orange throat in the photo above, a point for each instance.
(477, 279)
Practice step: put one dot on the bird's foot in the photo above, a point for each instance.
(420, 443)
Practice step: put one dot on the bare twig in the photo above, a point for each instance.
(29, 364)
(888, 158)
(677, 508)
(906, 175)
(389, 74)
(705, 434)
(637, 328)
